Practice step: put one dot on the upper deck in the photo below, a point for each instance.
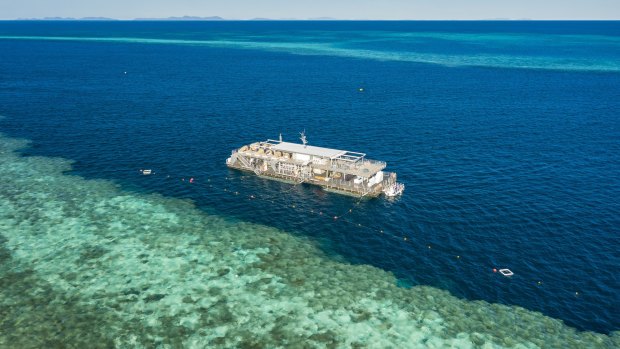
(343, 161)
(308, 150)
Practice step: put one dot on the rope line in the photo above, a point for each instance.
(345, 217)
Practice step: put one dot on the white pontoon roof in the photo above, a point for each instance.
(309, 150)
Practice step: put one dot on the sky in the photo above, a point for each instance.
(305, 9)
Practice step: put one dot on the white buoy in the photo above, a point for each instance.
(506, 272)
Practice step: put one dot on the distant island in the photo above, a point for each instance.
(183, 18)
(68, 19)
(218, 18)
(174, 18)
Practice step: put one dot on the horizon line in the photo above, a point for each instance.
(318, 19)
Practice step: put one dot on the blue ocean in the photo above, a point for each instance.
(506, 135)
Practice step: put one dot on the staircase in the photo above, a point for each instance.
(244, 162)
(274, 165)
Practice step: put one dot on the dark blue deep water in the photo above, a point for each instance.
(506, 135)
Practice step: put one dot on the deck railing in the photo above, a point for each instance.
(349, 167)
(364, 167)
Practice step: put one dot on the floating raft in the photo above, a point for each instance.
(340, 171)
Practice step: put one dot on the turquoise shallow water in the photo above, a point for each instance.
(500, 51)
(86, 264)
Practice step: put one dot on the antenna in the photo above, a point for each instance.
(303, 138)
